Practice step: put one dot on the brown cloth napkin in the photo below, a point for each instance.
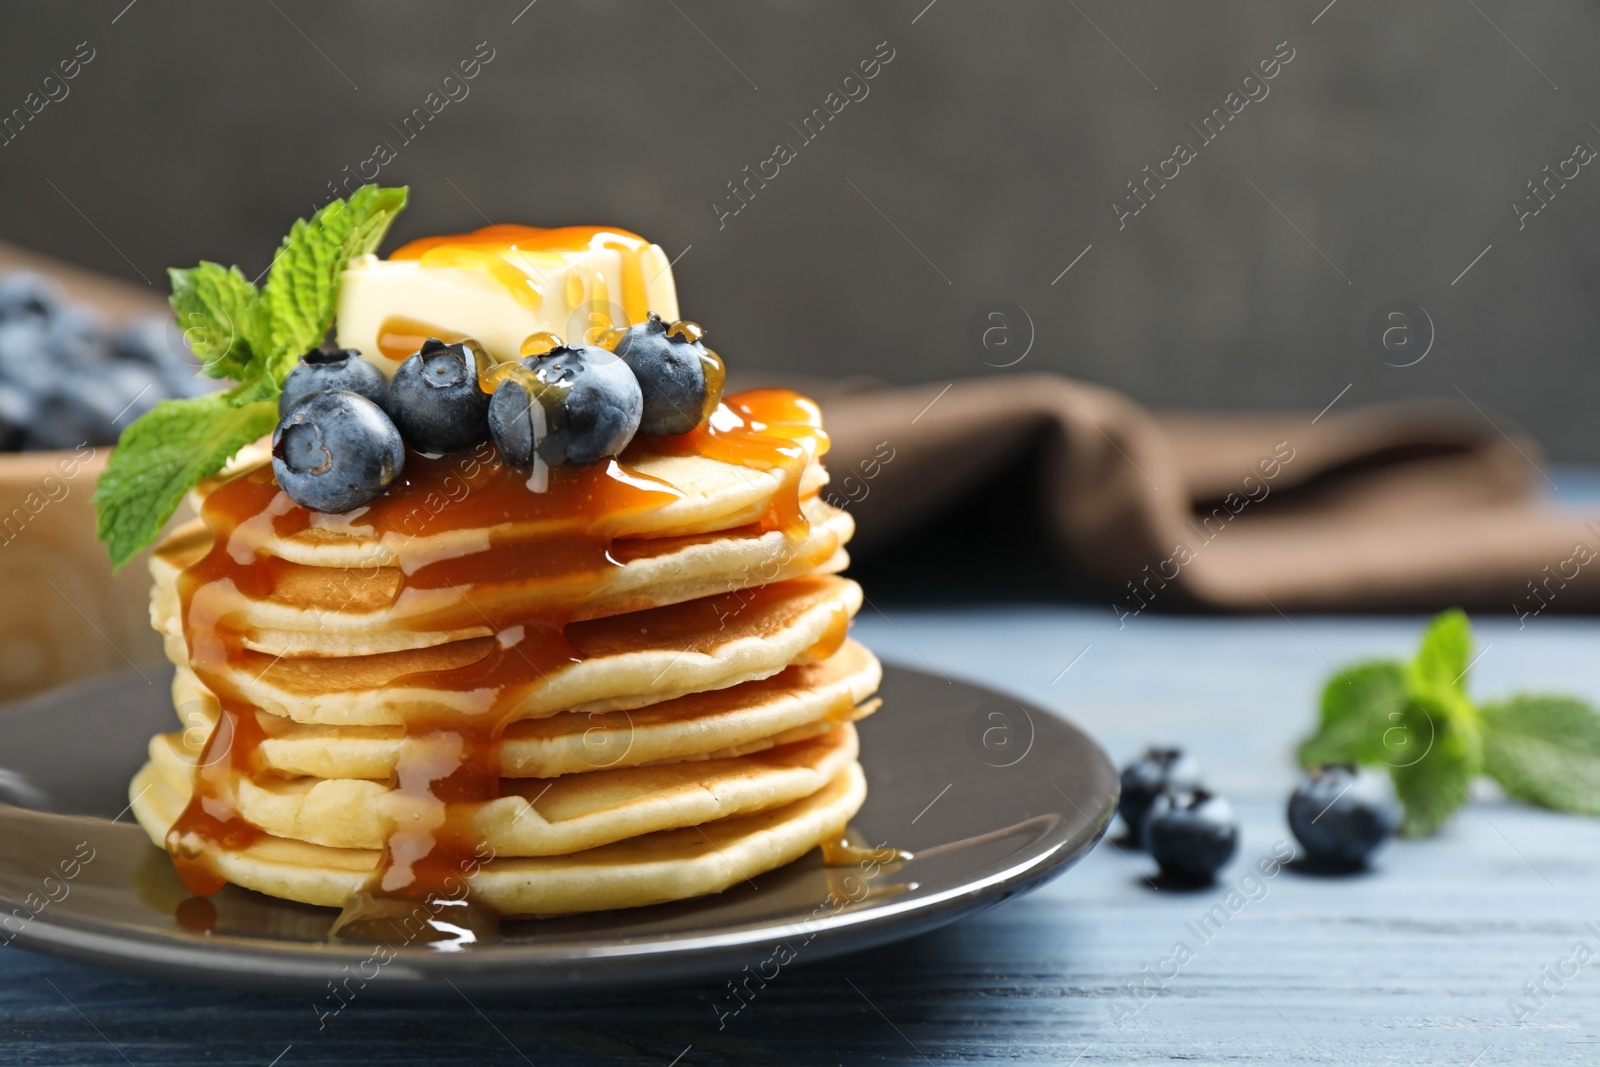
(1415, 506)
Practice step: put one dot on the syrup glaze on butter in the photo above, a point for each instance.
(493, 251)
(451, 754)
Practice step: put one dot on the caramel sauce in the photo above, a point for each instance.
(399, 337)
(536, 344)
(832, 640)
(450, 758)
(842, 853)
(764, 429)
(522, 286)
(476, 250)
(196, 914)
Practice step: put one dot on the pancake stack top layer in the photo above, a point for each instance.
(632, 686)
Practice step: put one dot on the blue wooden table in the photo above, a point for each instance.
(1422, 961)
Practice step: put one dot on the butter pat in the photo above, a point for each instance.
(501, 286)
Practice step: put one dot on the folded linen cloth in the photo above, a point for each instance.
(1413, 506)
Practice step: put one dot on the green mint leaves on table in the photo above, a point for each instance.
(1416, 719)
(251, 337)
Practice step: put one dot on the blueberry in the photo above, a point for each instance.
(25, 356)
(155, 340)
(671, 369)
(335, 451)
(18, 411)
(320, 370)
(76, 339)
(1145, 778)
(570, 407)
(26, 294)
(94, 407)
(1340, 817)
(1191, 834)
(435, 400)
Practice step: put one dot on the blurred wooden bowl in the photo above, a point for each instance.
(64, 615)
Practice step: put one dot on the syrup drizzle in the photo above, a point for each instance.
(487, 250)
(451, 756)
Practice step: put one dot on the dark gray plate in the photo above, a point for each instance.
(993, 797)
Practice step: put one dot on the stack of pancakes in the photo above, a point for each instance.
(663, 724)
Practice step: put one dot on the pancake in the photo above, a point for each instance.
(581, 687)
(651, 869)
(325, 611)
(796, 703)
(534, 817)
(694, 494)
(622, 662)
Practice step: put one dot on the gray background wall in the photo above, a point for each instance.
(1384, 160)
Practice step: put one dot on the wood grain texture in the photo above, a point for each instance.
(1413, 963)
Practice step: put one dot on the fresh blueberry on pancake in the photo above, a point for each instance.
(435, 399)
(572, 406)
(336, 451)
(320, 370)
(1191, 834)
(671, 364)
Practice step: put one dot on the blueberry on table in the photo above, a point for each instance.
(1340, 817)
(1191, 834)
(335, 451)
(570, 407)
(435, 399)
(1145, 778)
(671, 369)
(320, 370)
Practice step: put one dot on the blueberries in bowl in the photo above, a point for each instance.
(1340, 817)
(25, 294)
(1146, 777)
(320, 370)
(67, 380)
(671, 369)
(435, 398)
(575, 405)
(336, 451)
(18, 411)
(93, 407)
(1191, 834)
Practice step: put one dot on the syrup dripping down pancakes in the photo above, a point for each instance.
(633, 687)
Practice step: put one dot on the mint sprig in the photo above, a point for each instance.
(249, 336)
(1545, 750)
(1417, 719)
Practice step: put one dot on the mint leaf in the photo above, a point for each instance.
(252, 337)
(1360, 706)
(1442, 731)
(1435, 782)
(1445, 653)
(222, 318)
(302, 287)
(1545, 750)
(164, 454)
